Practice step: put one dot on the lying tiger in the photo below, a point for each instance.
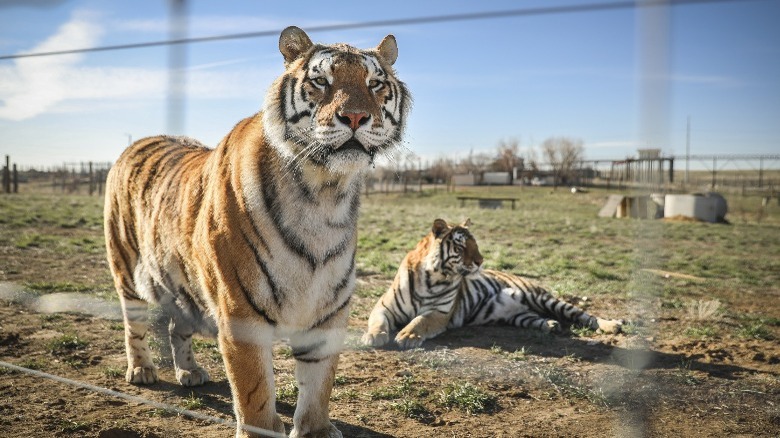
(441, 285)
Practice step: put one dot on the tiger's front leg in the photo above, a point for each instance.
(378, 333)
(422, 327)
(249, 366)
(317, 355)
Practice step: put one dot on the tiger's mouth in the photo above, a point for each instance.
(352, 145)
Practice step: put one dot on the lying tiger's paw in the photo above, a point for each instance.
(611, 325)
(142, 375)
(551, 326)
(407, 339)
(375, 339)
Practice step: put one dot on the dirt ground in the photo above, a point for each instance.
(541, 385)
(657, 380)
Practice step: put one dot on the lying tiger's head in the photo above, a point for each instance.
(335, 106)
(455, 251)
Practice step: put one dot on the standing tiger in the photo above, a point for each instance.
(255, 240)
(440, 285)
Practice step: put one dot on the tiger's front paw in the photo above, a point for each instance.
(328, 432)
(375, 339)
(141, 375)
(194, 377)
(407, 339)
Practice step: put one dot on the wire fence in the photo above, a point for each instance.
(74, 177)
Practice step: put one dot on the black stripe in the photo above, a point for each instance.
(249, 299)
(271, 199)
(277, 296)
(300, 352)
(345, 279)
(298, 116)
(129, 294)
(256, 230)
(293, 83)
(119, 250)
(331, 314)
(337, 250)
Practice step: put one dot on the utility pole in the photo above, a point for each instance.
(687, 149)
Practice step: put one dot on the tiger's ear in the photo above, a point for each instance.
(388, 49)
(466, 223)
(293, 42)
(440, 226)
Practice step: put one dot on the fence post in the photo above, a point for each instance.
(16, 179)
(91, 180)
(7, 175)
(714, 172)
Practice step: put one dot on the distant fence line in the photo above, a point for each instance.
(73, 177)
(735, 173)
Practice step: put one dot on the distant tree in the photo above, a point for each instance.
(562, 154)
(441, 169)
(474, 163)
(531, 160)
(508, 157)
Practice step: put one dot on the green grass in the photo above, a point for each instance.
(287, 392)
(113, 372)
(413, 409)
(701, 331)
(207, 347)
(58, 286)
(467, 398)
(404, 388)
(72, 426)
(552, 236)
(33, 364)
(516, 356)
(755, 330)
(192, 402)
(65, 344)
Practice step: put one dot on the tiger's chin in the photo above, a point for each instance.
(351, 157)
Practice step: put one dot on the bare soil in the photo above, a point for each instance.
(566, 385)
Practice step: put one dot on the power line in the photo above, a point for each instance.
(551, 10)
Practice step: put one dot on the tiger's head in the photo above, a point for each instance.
(455, 251)
(335, 106)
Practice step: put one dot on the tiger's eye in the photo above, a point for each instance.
(374, 83)
(320, 81)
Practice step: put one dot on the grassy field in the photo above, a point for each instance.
(703, 301)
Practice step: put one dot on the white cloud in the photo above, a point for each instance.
(32, 85)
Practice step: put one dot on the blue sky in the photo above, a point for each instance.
(474, 82)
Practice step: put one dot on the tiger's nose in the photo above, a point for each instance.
(353, 120)
(478, 260)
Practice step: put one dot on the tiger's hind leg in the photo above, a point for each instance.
(528, 319)
(140, 367)
(188, 372)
